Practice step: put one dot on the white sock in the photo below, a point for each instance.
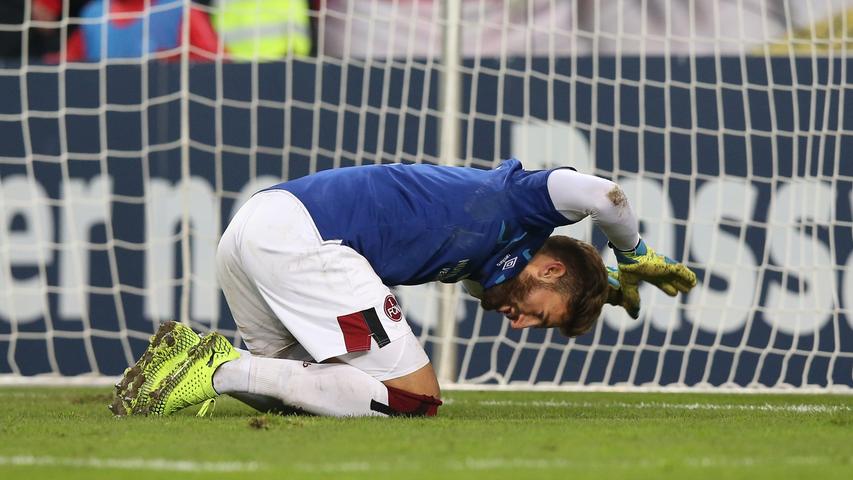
(233, 376)
(334, 389)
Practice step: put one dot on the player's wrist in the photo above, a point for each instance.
(630, 256)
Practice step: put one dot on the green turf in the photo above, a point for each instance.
(68, 433)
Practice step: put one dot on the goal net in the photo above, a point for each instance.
(727, 123)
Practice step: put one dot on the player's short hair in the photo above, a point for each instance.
(585, 282)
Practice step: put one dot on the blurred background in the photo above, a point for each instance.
(45, 30)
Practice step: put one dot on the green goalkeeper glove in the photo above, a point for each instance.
(629, 298)
(644, 264)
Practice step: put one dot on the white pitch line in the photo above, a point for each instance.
(25, 394)
(157, 464)
(766, 407)
(466, 464)
(500, 463)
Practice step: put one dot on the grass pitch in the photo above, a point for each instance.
(68, 433)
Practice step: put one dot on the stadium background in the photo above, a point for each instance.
(94, 246)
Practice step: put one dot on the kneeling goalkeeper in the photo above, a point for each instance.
(306, 267)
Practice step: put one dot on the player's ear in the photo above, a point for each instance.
(552, 270)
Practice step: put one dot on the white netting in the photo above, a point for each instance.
(724, 121)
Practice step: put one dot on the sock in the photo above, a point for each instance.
(334, 389)
(322, 389)
(233, 376)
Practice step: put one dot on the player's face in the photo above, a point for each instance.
(527, 302)
(543, 307)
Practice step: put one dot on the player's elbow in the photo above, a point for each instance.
(608, 197)
(616, 196)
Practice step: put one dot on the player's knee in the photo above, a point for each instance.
(415, 394)
(421, 382)
(408, 404)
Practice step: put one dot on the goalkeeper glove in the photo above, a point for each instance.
(644, 264)
(628, 298)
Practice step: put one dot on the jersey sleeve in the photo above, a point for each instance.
(527, 199)
(577, 196)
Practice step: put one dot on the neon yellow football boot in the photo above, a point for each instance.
(191, 383)
(167, 349)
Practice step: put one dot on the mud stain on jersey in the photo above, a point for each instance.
(617, 197)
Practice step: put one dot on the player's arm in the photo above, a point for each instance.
(577, 196)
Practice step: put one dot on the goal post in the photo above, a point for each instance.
(451, 84)
(727, 124)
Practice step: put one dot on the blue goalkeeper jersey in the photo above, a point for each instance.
(423, 223)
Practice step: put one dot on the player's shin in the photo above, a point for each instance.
(322, 389)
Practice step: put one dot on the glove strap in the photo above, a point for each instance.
(629, 256)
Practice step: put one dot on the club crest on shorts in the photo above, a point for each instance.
(392, 308)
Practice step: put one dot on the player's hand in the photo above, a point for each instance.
(628, 298)
(644, 264)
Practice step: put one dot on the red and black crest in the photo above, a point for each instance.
(392, 308)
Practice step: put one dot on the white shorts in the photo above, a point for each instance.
(294, 295)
